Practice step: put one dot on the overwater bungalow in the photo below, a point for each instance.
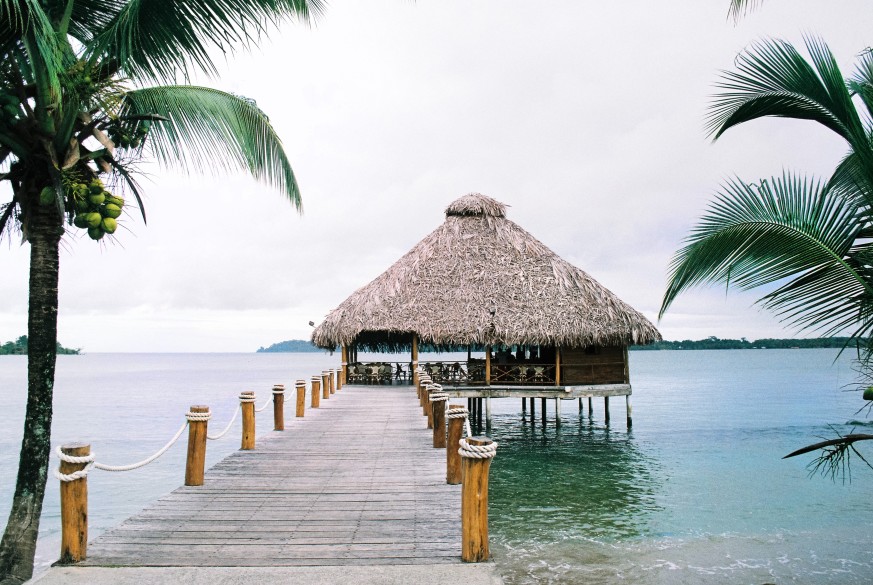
(538, 326)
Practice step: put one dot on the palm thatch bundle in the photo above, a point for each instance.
(479, 279)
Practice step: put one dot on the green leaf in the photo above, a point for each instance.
(209, 129)
(159, 40)
(787, 231)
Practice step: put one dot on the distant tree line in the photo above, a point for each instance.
(295, 345)
(19, 347)
(743, 343)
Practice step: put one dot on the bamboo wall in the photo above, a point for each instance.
(594, 365)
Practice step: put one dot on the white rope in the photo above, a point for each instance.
(477, 451)
(438, 397)
(89, 459)
(461, 412)
(266, 404)
(278, 389)
(246, 397)
(144, 462)
(227, 428)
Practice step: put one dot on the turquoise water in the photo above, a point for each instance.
(696, 492)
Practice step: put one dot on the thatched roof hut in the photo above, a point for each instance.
(479, 279)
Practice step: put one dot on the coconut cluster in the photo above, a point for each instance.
(96, 208)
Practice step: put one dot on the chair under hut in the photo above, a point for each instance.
(481, 282)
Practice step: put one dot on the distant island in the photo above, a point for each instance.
(19, 347)
(292, 345)
(743, 343)
(301, 345)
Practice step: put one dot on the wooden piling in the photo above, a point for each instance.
(557, 411)
(630, 417)
(414, 359)
(247, 404)
(331, 378)
(428, 405)
(195, 463)
(474, 504)
(606, 408)
(590, 406)
(325, 385)
(479, 413)
(543, 405)
(339, 379)
(523, 404)
(74, 507)
(453, 458)
(300, 386)
(438, 409)
(279, 407)
(533, 410)
(316, 392)
(344, 352)
(488, 412)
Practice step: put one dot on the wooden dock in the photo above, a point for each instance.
(355, 482)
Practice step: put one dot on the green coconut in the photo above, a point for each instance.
(94, 219)
(109, 225)
(111, 210)
(46, 196)
(95, 186)
(97, 198)
(80, 221)
(115, 200)
(81, 190)
(95, 233)
(868, 393)
(82, 205)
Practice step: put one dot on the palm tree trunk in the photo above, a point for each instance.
(18, 546)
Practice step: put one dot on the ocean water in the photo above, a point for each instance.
(695, 492)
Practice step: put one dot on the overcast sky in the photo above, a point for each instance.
(587, 118)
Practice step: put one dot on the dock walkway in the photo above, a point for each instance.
(354, 483)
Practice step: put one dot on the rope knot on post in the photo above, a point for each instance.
(457, 412)
(438, 397)
(246, 397)
(192, 416)
(278, 389)
(87, 460)
(487, 451)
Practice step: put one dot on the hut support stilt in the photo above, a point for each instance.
(630, 417)
(557, 411)
(580, 405)
(523, 404)
(590, 407)
(606, 408)
(533, 411)
(543, 406)
(488, 412)
(414, 360)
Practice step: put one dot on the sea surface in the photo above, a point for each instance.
(696, 492)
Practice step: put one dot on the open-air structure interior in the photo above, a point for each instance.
(532, 324)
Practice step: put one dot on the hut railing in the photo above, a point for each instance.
(379, 373)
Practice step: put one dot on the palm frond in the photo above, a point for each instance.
(160, 39)
(207, 129)
(740, 7)
(24, 25)
(773, 79)
(785, 228)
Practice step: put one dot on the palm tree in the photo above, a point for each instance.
(807, 242)
(87, 88)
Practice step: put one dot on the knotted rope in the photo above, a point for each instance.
(477, 451)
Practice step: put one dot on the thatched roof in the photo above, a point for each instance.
(481, 279)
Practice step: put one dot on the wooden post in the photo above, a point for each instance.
(479, 413)
(428, 406)
(453, 458)
(606, 408)
(590, 406)
(331, 378)
(300, 386)
(74, 507)
(325, 388)
(414, 359)
(344, 375)
(543, 405)
(488, 412)
(247, 404)
(279, 407)
(439, 423)
(487, 365)
(339, 379)
(580, 404)
(474, 504)
(523, 404)
(557, 366)
(630, 417)
(316, 392)
(557, 411)
(195, 464)
(533, 410)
